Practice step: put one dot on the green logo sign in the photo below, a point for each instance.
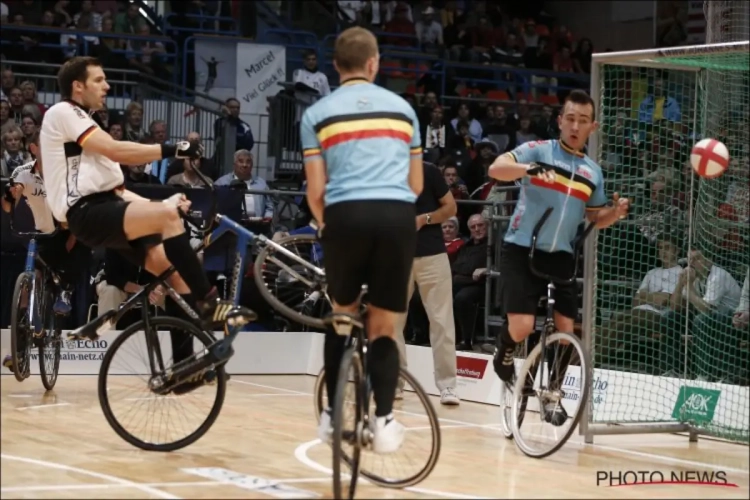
(695, 404)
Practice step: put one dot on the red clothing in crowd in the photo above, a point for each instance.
(452, 247)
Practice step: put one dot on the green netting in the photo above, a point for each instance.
(657, 363)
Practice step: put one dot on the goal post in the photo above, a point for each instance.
(657, 368)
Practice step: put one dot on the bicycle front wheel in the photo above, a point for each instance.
(50, 343)
(290, 281)
(21, 327)
(348, 433)
(124, 386)
(548, 397)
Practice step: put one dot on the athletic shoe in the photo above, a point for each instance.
(388, 435)
(449, 397)
(215, 312)
(503, 363)
(62, 304)
(8, 362)
(325, 429)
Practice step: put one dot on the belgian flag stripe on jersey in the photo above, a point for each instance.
(564, 185)
(343, 128)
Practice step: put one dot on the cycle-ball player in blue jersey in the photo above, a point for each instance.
(558, 174)
(363, 162)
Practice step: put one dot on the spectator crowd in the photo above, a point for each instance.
(644, 143)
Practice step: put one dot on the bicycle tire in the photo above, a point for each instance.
(21, 367)
(279, 306)
(52, 338)
(160, 323)
(349, 359)
(521, 380)
(320, 392)
(320, 388)
(505, 410)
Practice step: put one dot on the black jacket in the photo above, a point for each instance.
(470, 257)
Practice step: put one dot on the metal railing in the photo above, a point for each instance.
(86, 46)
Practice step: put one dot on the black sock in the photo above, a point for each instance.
(333, 350)
(182, 343)
(383, 364)
(504, 340)
(186, 262)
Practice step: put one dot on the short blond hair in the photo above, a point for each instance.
(353, 48)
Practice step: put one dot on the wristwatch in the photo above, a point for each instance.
(428, 218)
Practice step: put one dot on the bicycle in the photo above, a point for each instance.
(204, 368)
(32, 321)
(547, 390)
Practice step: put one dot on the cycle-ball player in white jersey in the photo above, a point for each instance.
(61, 252)
(85, 189)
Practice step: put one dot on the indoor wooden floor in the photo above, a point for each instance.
(263, 445)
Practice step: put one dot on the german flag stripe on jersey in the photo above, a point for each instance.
(416, 151)
(86, 134)
(343, 128)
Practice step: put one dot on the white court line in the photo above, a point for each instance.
(300, 453)
(190, 484)
(105, 477)
(36, 407)
(20, 395)
(643, 454)
(290, 391)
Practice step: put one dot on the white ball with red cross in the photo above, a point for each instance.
(709, 158)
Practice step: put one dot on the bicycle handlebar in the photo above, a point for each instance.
(576, 247)
(37, 235)
(203, 226)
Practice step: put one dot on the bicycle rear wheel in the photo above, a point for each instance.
(112, 380)
(555, 400)
(290, 282)
(50, 343)
(348, 434)
(21, 327)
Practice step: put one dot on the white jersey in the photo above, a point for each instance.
(317, 80)
(70, 172)
(36, 196)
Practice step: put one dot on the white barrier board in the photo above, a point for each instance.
(617, 396)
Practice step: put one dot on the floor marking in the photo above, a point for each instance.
(661, 458)
(99, 475)
(36, 407)
(269, 487)
(290, 391)
(300, 453)
(20, 395)
(58, 487)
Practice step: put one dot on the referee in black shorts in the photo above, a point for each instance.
(363, 161)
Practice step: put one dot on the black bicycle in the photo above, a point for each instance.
(135, 364)
(354, 433)
(544, 393)
(33, 321)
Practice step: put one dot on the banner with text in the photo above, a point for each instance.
(260, 68)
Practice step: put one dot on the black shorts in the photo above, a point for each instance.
(370, 242)
(98, 220)
(69, 265)
(521, 290)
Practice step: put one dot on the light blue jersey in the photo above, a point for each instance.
(579, 186)
(367, 136)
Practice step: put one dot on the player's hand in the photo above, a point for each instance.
(741, 319)
(70, 243)
(542, 172)
(187, 150)
(157, 295)
(478, 273)
(622, 206)
(688, 275)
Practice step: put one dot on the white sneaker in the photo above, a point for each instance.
(388, 435)
(325, 430)
(449, 397)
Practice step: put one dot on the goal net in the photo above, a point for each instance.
(662, 359)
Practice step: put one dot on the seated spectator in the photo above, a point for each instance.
(720, 342)
(650, 304)
(436, 134)
(525, 133)
(484, 38)
(463, 141)
(137, 174)
(583, 56)
(451, 238)
(469, 270)
(402, 26)
(476, 174)
(256, 205)
(456, 185)
(205, 165)
(134, 130)
(429, 32)
(658, 106)
(188, 178)
(5, 118)
(15, 99)
(14, 154)
(30, 97)
(464, 114)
